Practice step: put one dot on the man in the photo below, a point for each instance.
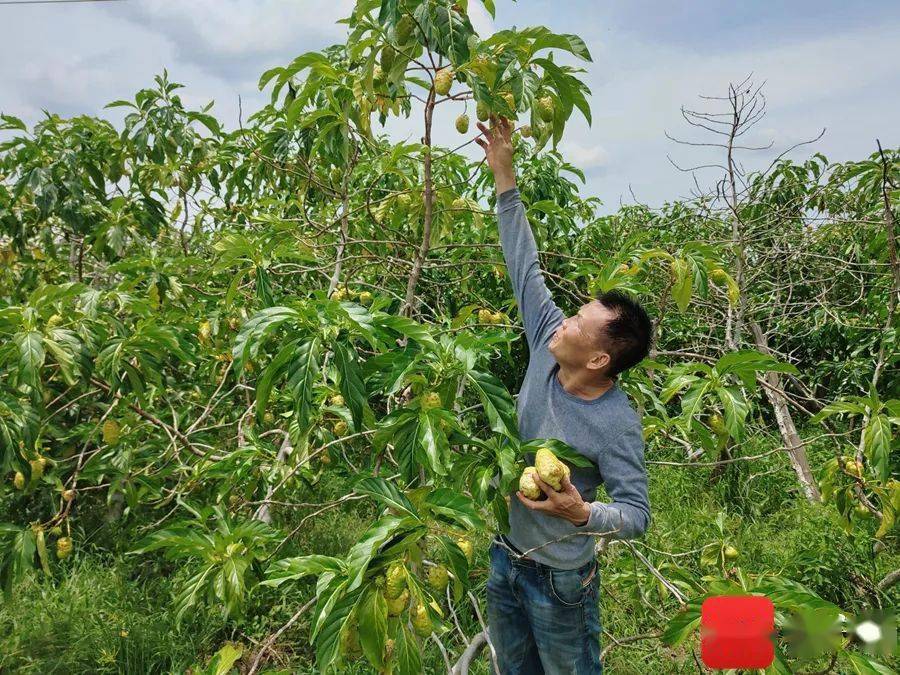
(542, 592)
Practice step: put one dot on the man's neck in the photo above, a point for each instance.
(582, 384)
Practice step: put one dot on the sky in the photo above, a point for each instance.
(832, 64)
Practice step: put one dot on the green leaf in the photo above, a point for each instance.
(371, 617)
(31, 356)
(457, 508)
(736, 409)
(406, 652)
(301, 374)
(362, 552)
(498, 404)
(253, 333)
(682, 284)
(433, 442)
(386, 493)
(351, 383)
(877, 445)
(863, 665)
(680, 626)
(291, 569)
(408, 327)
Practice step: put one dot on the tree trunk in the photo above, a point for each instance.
(410, 301)
(345, 225)
(792, 441)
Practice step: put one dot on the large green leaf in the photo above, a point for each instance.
(31, 356)
(736, 409)
(291, 569)
(254, 331)
(498, 404)
(457, 508)
(877, 444)
(371, 617)
(386, 493)
(351, 383)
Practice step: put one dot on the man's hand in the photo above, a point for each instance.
(566, 504)
(498, 149)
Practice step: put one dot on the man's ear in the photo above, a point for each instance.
(599, 361)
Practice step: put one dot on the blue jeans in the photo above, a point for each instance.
(542, 619)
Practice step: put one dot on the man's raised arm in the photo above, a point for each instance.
(539, 313)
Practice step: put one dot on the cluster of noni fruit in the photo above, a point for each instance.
(549, 469)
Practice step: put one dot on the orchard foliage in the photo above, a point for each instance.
(204, 331)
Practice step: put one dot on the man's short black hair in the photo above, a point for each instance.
(629, 335)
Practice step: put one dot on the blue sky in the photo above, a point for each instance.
(833, 65)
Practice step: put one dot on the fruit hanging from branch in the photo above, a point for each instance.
(462, 123)
(482, 111)
(443, 80)
(546, 109)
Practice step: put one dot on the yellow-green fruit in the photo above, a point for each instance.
(68, 495)
(730, 553)
(63, 547)
(496, 317)
(404, 30)
(395, 581)
(485, 315)
(336, 400)
(462, 123)
(111, 432)
(421, 622)
(718, 276)
(404, 200)
(482, 112)
(268, 418)
(54, 321)
(549, 468)
(527, 486)
(395, 606)
(19, 480)
(854, 468)
(545, 108)
(325, 458)
(525, 130)
(459, 204)
(205, 331)
(717, 424)
(37, 469)
(443, 81)
(510, 100)
(340, 428)
(350, 640)
(467, 548)
(438, 578)
(365, 298)
(388, 55)
(56, 530)
(431, 400)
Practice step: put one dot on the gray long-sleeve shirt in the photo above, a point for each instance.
(606, 430)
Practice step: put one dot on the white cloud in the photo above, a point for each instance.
(584, 156)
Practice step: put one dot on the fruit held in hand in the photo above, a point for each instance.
(421, 622)
(395, 606)
(527, 486)
(550, 469)
(395, 581)
(63, 547)
(438, 578)
(482, 112)
(431, 400)
(443, 81)
(462, 123)
(545, 109)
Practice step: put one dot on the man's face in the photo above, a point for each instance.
(577, 343)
